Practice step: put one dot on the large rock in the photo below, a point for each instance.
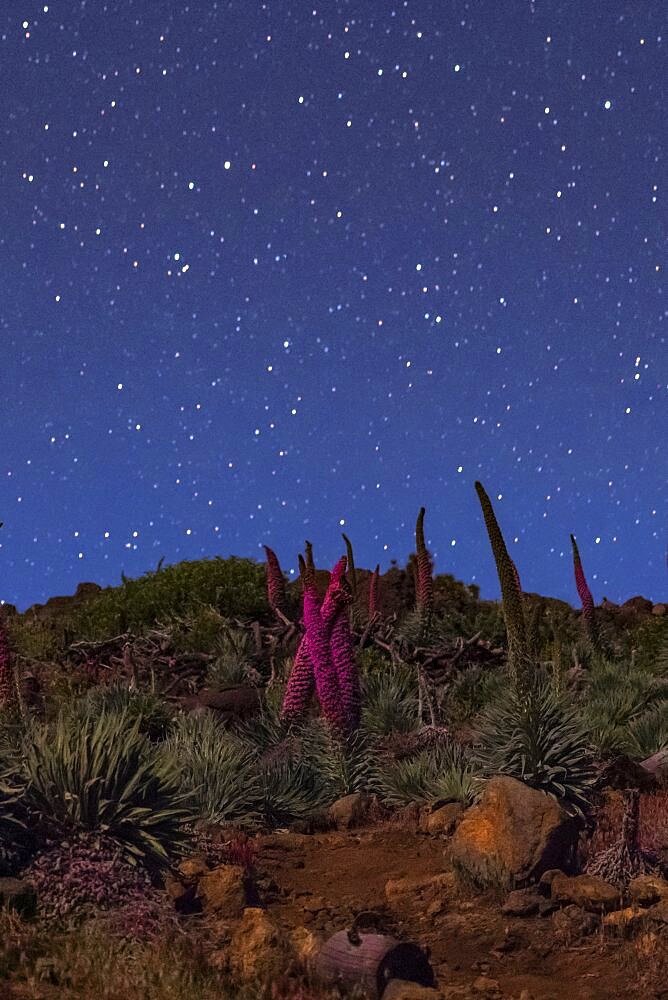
(513, 835)
(348, 811)
(258, 949)
(223, 891)
(587, 891)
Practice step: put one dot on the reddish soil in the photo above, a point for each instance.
(322, 880)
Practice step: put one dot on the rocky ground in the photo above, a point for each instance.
(572, 934)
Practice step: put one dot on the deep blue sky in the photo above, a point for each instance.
(271, 267)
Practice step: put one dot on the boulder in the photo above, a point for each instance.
(587, 891)
(222, 890)
(442, 820)
(258, 949)
(660, 609)
(648, 889)
(349, 810)
(513, 835)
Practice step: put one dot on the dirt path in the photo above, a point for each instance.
(321, 881)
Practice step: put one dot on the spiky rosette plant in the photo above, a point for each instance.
(532, 735)
(101, 774)
(276, 593)
(511, 595)
(424, 584)
(584, 593)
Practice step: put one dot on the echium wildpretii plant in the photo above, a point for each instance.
(275, 582)
(325, 657)
(424, 584)
(373, 592)
(6, 677)
(511, 595)
(584, 593)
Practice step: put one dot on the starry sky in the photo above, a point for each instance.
(274, 271)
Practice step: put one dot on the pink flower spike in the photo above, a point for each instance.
(301, 683)
(317, 642)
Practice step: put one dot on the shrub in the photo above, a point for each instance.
(535, 737)
(87, 874)
(101, 775)
(232, 586)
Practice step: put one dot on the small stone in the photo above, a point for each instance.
(648, 889)
(545, 882)
(521, 903)
(314, 905)
(193, 868)
(624, 922)
(304, 943)
(486, 986)
(659, 912)
(442, 821)
(402, 989)
(588, 891)
(547, 907)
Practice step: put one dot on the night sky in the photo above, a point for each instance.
(273, 271)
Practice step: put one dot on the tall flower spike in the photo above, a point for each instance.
(511, 595)
(588, 614)
(301, 683)
(317, 641)
(275, 581)
(424, 583)
(351, 565)
(516, 575)
(343, 657)
(6, 678)
(373, 592)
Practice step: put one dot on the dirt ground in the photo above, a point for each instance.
(321, 881)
